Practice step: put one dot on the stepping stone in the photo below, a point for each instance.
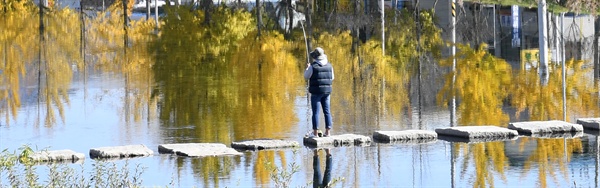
(475, 140)
(476, 133)
(590, 123)
(558, 135)
(57, 156)
(408, 136)
(120, 151)
(264, 144)
(197, 149)
(533, 127)
(338, 140)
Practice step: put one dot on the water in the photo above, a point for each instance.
(183, 88)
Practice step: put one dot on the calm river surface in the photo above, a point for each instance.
(161, 91)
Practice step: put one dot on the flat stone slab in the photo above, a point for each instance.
(534, 127)
(57, 156)
(338, 140)
(197, 149)
(406, 135)
(264, 144)
(558, 135)
(120, 151)
(475, 140)
(590, 123)
(480, 133)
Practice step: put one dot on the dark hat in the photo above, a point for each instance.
(318, 54)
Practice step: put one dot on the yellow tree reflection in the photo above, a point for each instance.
(43, 53)
(204, 95)
(545, 102)
(17, 52)
(267, 73)
(482, 83)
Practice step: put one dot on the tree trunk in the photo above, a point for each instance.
(206, 4)
(355, 31)
(258, 18)
(82, 34)
(596, 47)
(148, 9)
(290, 18)
(125, 22)
(382, 28)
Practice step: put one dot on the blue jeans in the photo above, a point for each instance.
(317, 183)
(321, 100)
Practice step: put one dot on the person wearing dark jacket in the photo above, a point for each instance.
(320, 76)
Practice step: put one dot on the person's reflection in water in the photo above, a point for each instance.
(317, 169)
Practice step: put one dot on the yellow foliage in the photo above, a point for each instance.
(17, 7)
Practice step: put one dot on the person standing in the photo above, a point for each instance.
(320, 76)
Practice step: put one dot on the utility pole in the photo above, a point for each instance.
(453, 105)
(543, 45)
(148, 9)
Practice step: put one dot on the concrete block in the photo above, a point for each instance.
(197, 149)
(120, 151)
(533, 127)
(264, 144)
(338, 140)
(57, 156)
(482, 133)
(590, 123)
(406, 135)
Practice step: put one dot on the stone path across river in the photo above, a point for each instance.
(539, 129)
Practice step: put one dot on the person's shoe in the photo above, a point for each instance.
(327, 133)
(313, 134)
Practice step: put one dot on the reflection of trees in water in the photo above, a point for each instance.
(54, 55)
(219, 84)
(43, 50)
(488, 159)
(485, 84)
(549, 154)
(545, 102)
(482, 83)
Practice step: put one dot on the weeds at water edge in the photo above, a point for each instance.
(20, 171)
